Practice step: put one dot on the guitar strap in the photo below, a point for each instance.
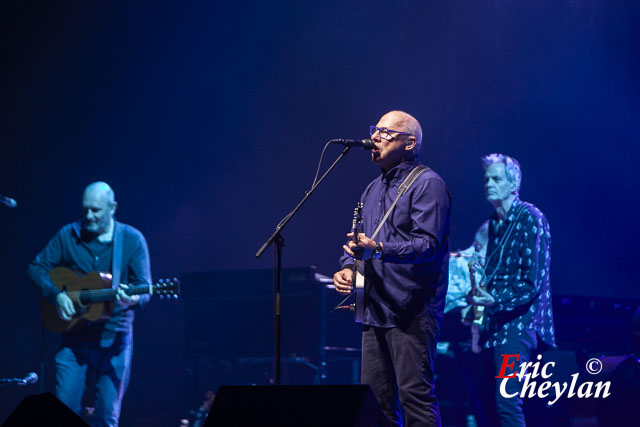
(116, 262)
(402, 189)
(502, 244)
(108, 336)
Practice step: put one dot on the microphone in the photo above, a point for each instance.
(8, 201)
(31, 378)
(366, 144)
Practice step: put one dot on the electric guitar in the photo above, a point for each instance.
(357, 307)
(93, 297)
(478, 310)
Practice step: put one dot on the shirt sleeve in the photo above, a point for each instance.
(430, 206)
(45, 261)
(139, 267)
(347, 261)
(535, 252)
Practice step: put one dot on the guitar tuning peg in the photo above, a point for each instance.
(175, 296)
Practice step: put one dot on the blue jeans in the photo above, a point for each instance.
(111, 366)
(398, 363)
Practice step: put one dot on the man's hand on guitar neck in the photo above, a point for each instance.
(482, 297)
(126, 300)
(363, 250)
(64, 306)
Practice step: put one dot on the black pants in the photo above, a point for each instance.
(510, 408)
(398, 363)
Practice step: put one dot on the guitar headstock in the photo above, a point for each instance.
(169, 288)
(356, 225)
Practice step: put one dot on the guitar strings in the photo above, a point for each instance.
(105, 292)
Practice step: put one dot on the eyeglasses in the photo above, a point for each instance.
(385, 133)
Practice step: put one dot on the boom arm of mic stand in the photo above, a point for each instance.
(287, 218)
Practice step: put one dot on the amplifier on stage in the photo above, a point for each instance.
(229, 321)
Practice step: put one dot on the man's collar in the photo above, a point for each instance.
(512, 210)
(76, 228)
(398, 172)
(510, 216)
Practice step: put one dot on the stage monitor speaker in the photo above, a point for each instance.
(43, 410)
(288, 406)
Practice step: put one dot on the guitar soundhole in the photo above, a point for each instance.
(81, 310)
(83, 301)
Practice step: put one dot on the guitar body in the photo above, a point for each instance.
(358, 292)
(70, 282)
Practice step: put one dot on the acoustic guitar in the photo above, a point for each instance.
(93, 297)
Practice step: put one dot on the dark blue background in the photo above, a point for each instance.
(207, 119)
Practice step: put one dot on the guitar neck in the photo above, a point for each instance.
(472, 276)
(357, 222)
(105, 295)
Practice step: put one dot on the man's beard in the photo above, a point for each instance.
(93, 228)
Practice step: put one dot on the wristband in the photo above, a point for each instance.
(377, 254)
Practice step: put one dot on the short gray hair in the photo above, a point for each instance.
(511, 167)
(412, 126)
(416, 130)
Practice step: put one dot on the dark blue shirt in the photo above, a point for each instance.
(410, 279)
(70, 248)
(518, 275)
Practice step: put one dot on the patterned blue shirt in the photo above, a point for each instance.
(517, 275)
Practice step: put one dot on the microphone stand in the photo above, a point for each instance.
(16, 381)
(277, 240)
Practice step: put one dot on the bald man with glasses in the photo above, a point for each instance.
(406, 273)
